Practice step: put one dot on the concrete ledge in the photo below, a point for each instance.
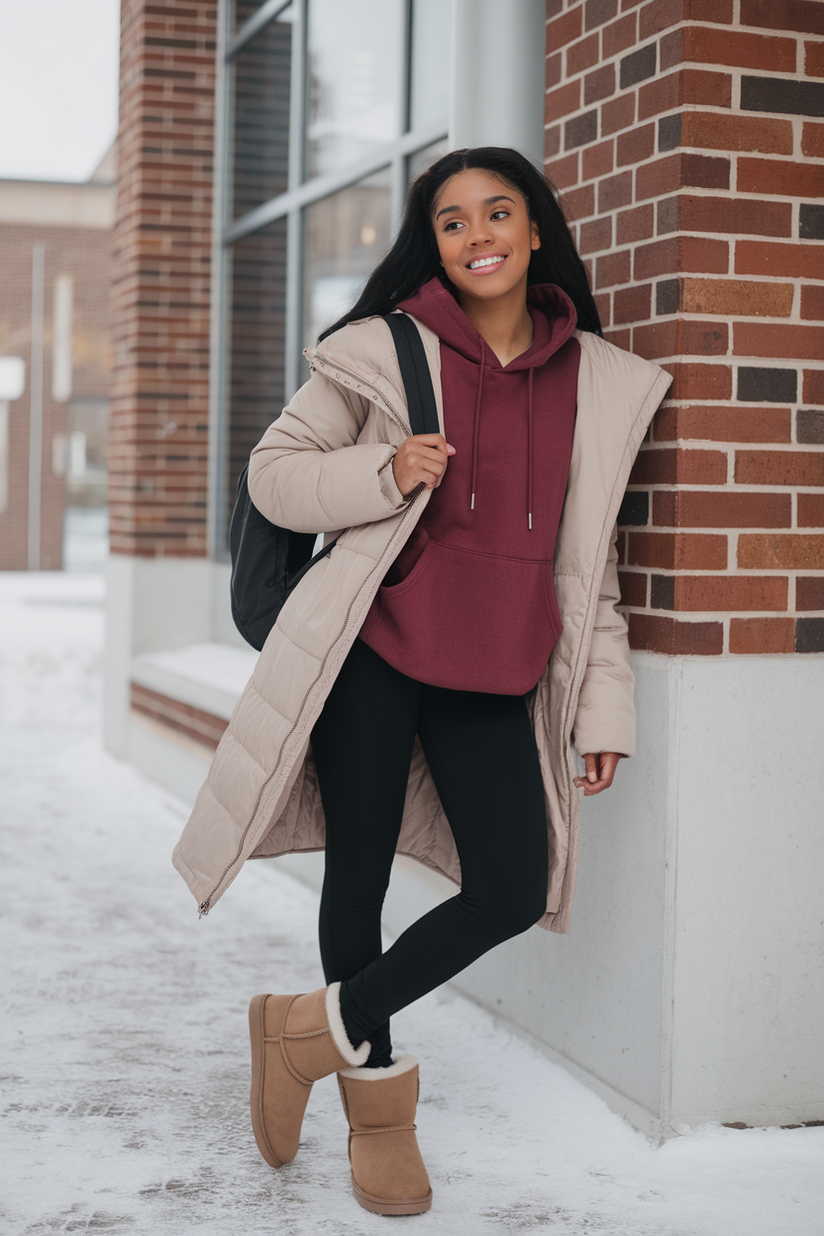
(207, 676)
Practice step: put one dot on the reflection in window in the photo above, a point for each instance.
(345, 236)
(431, 47)
(262, 75)
(352, 70)
(257, 343)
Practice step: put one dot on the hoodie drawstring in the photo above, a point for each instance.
(477, 423)
(476, 432)
(529, 454)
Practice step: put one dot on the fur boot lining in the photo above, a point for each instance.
(352, 1055)
(400, 1064)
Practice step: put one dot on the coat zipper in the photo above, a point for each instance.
(204, 906)
(320, 362)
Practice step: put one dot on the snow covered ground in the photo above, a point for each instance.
(125, 1059)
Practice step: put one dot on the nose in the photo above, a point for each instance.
(480, 232)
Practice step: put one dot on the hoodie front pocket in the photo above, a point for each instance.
(467, 620)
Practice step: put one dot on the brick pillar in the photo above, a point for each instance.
(160, 300)
(682, 136)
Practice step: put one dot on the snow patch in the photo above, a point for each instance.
(125, 1041)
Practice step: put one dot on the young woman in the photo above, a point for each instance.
(423, 686)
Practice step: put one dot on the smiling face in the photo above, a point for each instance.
(484, 234)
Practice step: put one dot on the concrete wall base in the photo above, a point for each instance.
(167, 757)
(157, 605)
(691, 987)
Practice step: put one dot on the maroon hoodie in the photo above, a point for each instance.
(470, 603)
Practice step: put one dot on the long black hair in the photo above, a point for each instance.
(414, 259)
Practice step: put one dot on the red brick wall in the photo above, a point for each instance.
(687, 138)
(160, 299)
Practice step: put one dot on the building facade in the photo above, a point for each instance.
(264, 154)
(55, 254)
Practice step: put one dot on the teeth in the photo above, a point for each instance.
(490, 261)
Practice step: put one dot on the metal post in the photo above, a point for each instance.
(399, 162)
(38, 297)
(510, 54)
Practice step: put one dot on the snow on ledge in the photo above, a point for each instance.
(205, 676)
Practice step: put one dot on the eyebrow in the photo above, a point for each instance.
(488, 201)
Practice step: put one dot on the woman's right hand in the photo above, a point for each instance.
(421, 460)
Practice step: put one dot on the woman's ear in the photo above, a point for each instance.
(536, 236)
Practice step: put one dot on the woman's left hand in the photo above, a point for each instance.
(600, 771)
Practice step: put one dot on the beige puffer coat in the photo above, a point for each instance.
(325, 465)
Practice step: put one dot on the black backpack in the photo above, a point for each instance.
(269, 562)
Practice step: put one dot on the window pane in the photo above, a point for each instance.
(262, 75)
(255, 389)
(431, 44)
(352, 80)
(87, 431)
(422, 159)
(345, 236)
(243, 10)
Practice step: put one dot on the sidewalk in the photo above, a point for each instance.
(125, 1054)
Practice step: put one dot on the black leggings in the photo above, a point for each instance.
(481, 752)
(482, 755)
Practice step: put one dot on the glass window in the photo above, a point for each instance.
(422, 159)
(244, 9)
(352, 80)
(62, 298)
(359, 100)
(12, 377)
(262, 77)
(86, 450)
(256, 380)
(345, 236)
(431, 44)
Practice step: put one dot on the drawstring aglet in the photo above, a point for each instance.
(472, 503)
(530, 521)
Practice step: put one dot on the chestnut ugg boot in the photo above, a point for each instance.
(388, 1173)
(296, 1040)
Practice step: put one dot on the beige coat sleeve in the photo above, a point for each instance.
(310, 473)
(605, 719)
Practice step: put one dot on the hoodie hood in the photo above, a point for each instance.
(553, 322)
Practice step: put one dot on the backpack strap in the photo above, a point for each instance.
(417, 380)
